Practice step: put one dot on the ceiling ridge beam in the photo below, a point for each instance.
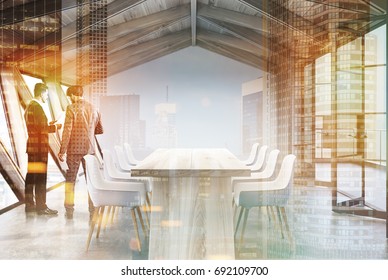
(193, 22)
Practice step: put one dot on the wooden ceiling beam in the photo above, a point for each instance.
(231, 41)
(156, 19)
(114, 8)
(70, 31)
(236, 18)
(151, 46)
(31, 10)
(122, 34)
(144, 57)
(235, 54)
(130, 61)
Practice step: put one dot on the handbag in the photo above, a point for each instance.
(98, 129)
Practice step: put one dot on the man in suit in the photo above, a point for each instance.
(37, 151)
(77, 141)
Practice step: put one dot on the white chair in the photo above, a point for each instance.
(260, 160)
(112, 172)
(266, 173)
(111, 169)
(108, 193)
(120, 159)
(265, 193)
(129, 155)
(253, 154)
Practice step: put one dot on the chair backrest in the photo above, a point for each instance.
(277, 195)
(259, 163)
(253, 154)
(110, 168)
(103, 192)
(129, 154)
(122, 163)
(94, 176)
(270, 166)
(107, 163)
(285, 176)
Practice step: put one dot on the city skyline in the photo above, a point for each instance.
(206, 89)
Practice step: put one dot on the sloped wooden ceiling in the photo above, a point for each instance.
(33, 32)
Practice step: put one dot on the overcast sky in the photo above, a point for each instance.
(206, 88)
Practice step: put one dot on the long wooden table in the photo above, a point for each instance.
(192, 216)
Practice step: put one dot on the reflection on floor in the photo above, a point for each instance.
(350, 181)
(316, 233)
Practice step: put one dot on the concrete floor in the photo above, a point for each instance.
(315, 233)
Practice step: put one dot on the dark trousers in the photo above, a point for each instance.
(73, 163)
(36, 179)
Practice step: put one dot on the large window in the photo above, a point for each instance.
(349, 97)
(7, 197)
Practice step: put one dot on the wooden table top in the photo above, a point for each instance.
(191, 163)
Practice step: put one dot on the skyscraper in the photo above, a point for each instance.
(165, 132)
(121, 120)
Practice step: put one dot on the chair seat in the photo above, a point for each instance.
(123, 198)
(104, 193)
(249, 199)
(261, 193)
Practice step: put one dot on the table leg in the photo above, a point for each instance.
(192, 218)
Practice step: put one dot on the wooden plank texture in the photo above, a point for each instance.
(192, 216)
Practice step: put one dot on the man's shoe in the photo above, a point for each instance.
(30, 208)
(47, 212)
(69, 215)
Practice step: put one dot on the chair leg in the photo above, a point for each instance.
(92, 225)
(107, 216)
(280, 221)
(100, 221)
(235, 207)
(271, 215)
(136, 228)
(141, 221)
(113, 214)
(246, 212)
(147, 219)
(238, 221)
(284, 215)
(148, 202)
